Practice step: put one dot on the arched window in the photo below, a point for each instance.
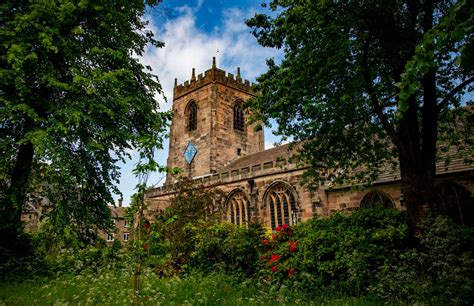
(238, 117)
(192, 116)
(456, 202)
(377, 199)
(238, 208)
(281, 206)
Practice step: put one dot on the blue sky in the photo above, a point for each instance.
(193, 32)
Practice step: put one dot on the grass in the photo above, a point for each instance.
(115, 287)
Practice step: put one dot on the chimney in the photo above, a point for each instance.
(120, 202)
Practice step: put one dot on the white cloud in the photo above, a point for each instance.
(187, 47)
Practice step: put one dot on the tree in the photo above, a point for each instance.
(191, 204)
(74, 101)
(368, 83)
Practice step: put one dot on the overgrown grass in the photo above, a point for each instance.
(115, 287)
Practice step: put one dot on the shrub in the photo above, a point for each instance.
(226, 247)
(191, 204)
(439, 269)
(341, 253)
(276, 262)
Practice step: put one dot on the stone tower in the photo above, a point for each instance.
(208, 129)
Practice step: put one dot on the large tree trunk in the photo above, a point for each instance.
(418, 194)
(15, 196)
(417, 155)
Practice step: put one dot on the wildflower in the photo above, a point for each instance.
(292, 246)
(274, 268)
(277, 229)
(265, 241)
(274, 237)
(284, 227)
(274, 258)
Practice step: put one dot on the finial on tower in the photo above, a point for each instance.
(238, 74)
(193, 76)
(213, 62)
(175, 82)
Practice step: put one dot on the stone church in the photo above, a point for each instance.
(211, 142)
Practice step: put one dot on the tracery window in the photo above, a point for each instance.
(238, 117)
(456, 202)
(238, 208)
(377, 199)
(281, 206)
(192, 116)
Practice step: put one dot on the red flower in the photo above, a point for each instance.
(263, 257)
(291, 272)
(292, 246)
(265, 241)
(277, 228)
(284, 226)
(274, 237)
(274, 268)
(274, 258)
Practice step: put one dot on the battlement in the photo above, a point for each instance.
(267, 168)
(209, 76)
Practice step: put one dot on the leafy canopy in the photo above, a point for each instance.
(74, 92)
(350, 72)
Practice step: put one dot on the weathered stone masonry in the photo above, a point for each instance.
(261, 184)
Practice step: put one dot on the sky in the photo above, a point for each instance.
(194, 31)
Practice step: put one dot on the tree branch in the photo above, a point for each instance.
(455, 90)
(378, 110)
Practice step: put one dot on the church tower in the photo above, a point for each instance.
(208, 129)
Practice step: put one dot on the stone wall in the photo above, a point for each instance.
(255, 180)
(217, 142)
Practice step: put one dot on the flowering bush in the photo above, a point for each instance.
(342, 253)
(276, 257)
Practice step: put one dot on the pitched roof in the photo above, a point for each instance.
(117, 211)
(261, 157)
(387, 174)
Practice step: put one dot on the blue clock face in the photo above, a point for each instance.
(190, 152)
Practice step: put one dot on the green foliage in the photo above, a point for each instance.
(226, 247)
(49, 255)
(74, 101)
(363, 257)
(134, 207)
(343, 63)
(278, 266)
(113, 287)
(366, 84)
(191, 204)
(440, 269)
(342, 253)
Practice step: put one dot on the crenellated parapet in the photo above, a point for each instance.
(213, 75)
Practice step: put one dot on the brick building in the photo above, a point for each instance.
(210, 141)
(122, 230)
